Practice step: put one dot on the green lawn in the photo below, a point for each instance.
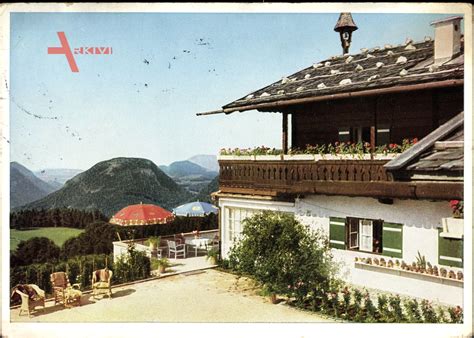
(58, 235)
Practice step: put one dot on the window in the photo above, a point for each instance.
(450, 251)
(383, 135)
(235, 216)
(362, 134)
(368, 235)
(354, 134)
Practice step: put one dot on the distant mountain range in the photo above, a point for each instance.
(25, 187)
(208, 162)
(57, 177)
(190, 175)
(111, 185)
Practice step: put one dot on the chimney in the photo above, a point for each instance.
(345, 26)
(447, 39)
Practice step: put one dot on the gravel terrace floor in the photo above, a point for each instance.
(202, 296)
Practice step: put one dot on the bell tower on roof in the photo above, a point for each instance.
(345, 26)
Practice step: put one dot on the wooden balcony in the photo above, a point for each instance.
(332, 177)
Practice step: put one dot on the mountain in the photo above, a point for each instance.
(111, 185)
(208, 162)
(57, 177)
(189, 175)
(183, 168)
(25, 187)
(205, 194)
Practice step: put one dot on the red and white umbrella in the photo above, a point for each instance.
(141, 214)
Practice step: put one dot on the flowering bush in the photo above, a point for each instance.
(457, 207)
(284, 256)
(337, 148)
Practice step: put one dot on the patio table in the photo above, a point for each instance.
(198, 243)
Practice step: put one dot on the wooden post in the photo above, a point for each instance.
(372, 142)
(284, 135)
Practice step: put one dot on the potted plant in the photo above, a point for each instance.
(451, 274)
(267, 292)
(154, 242)
(160, 264)
(435, 271)
(443, 272)
(460, 275)
(212, 256)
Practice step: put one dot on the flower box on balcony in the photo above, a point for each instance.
(236, 157)
(268, 157)
(299, 157)
(306, 157)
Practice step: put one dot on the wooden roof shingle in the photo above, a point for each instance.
(390, 66)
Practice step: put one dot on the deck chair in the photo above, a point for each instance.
(176, 249)
(102, 282)
(61, 287)
(31, 297)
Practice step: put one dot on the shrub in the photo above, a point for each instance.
(96, 239)
(133, 266)
(413, 312)
(284, 255)
(370, 309)
(382, 306)
(455, 314)
(429, 314)
(396, 312)
(35, 250)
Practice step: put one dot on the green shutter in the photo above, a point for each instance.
(392, 240)
(450, 251)
(337, 232)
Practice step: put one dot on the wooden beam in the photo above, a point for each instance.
(413, 190)
(284, 133)
(372, 142)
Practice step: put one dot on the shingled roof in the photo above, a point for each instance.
(379, 67)
(439, 155)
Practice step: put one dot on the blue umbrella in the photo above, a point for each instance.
(195, 209)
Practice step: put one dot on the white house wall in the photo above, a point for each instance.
(246, 204)
(420, 219)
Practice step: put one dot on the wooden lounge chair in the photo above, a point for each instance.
(63, 291)
(102, 282)
(31, 297)
(176, 249)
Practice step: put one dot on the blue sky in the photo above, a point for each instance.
(141, 101)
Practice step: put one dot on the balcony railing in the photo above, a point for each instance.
(287, 176)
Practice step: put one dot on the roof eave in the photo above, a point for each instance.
(369, 92)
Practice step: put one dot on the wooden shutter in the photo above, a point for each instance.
(392, 240)
(450, 251)
(337, 232)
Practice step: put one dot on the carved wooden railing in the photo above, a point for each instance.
(283, 176)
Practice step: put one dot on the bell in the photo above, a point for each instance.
(345, 26)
